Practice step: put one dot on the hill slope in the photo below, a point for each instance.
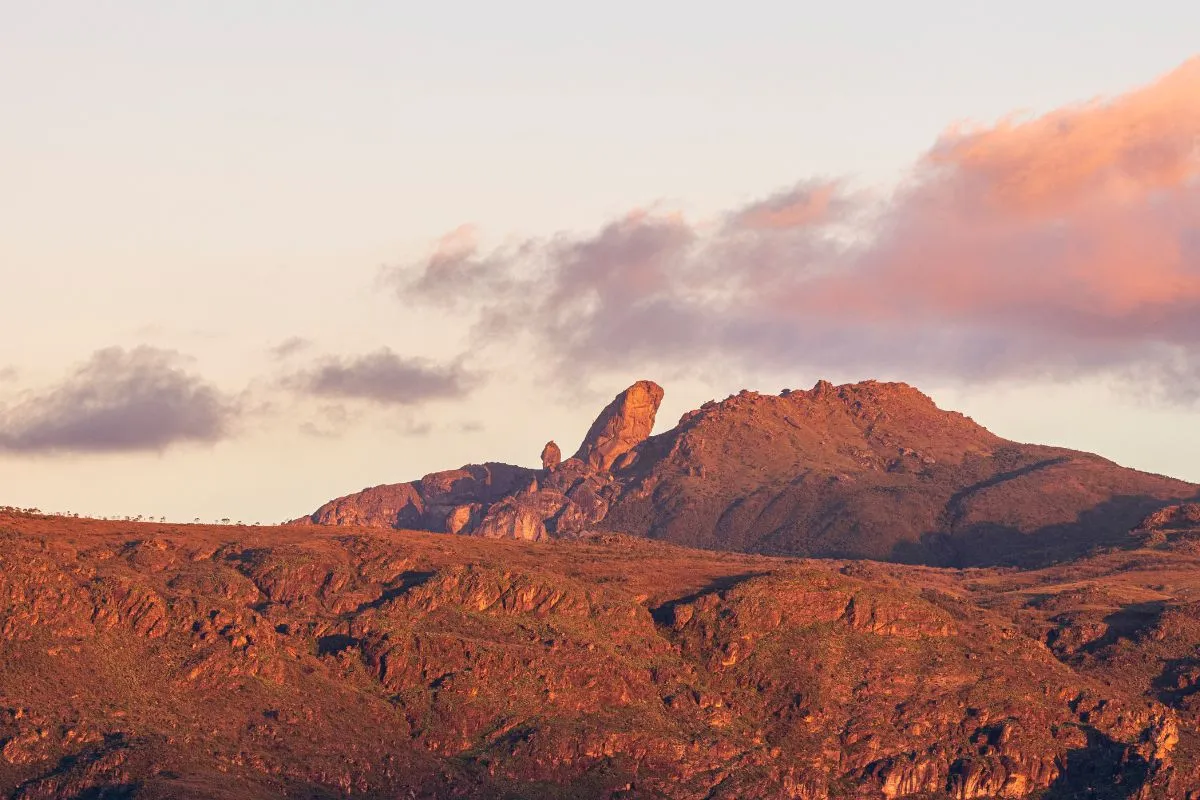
(155, 661)
(870, 470)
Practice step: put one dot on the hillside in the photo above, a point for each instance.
(158, 661)
(867, 470)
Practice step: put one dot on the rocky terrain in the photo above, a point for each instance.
(1029, 626)
(156, 661)
(868, 470)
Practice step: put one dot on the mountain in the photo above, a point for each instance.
(867, 470)
(149, 661)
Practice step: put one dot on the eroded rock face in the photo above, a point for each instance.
(625, 423)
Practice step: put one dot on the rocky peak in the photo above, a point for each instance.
(882, 393)
(623, 424)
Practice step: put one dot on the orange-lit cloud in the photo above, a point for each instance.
(1062, 245)
(1102, 152)
(803, 205)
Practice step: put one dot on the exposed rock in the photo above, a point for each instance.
(624, 423)
(1184, 516)
(551, 456)
(431, 503)
(523, 515)
(461, 518)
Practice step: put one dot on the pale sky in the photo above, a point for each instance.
(197, 184)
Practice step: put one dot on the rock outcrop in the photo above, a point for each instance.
(1179, 522)
(1181, 517)
(551, 456)
(625, 423)
(499, 501)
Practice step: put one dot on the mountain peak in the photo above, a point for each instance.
(869, 469)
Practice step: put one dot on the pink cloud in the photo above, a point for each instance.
(805, 204)
(1101, 152)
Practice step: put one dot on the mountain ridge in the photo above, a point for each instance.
(868, 470)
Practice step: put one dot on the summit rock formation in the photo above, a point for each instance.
(624, 424)
(871, 469)
(564, 498)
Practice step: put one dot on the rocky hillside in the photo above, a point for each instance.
(152, 661)
(871, 470)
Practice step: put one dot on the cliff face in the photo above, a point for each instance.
(871, 470)
(145, 660)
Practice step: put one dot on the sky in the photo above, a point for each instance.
(258, 255)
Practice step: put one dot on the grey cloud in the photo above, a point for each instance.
(457, 261)
(643, 289)
(382, 377)
(119, 401)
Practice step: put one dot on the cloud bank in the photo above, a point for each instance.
(119, 401)
(382, 377)
(1061, 246)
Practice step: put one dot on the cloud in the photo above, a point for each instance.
(802, 205)
(330, 421)
(382, 377)
(118, 401)
(290, 347)
(1060, 246)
